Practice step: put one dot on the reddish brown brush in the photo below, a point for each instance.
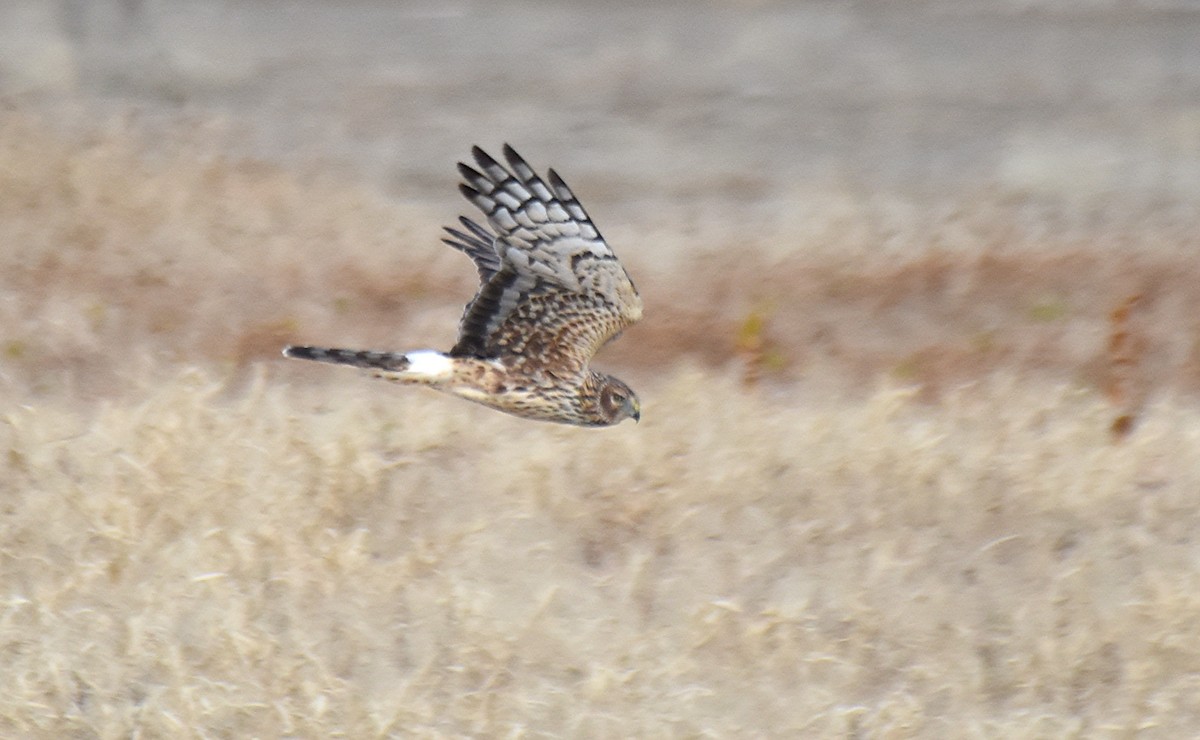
(1124, 354)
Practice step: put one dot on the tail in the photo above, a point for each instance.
(422, 367)
(389, 361)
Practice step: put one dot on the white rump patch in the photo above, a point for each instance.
(428, 363)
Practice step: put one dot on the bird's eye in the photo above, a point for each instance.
(618, 397)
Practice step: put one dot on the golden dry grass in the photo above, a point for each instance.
(369, 564)
(916, 525)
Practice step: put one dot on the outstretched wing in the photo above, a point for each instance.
(554, 292)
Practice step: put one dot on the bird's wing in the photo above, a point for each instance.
(555, 292)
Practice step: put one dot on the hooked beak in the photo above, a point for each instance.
(636, 412)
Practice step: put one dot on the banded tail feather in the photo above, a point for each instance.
(390, 361)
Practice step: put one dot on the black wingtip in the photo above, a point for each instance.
(468, 172)
(511, 155)
(484, 159)
(561, 189)
(457, 239)
(480, 233)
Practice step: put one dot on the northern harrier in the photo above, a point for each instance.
(552, 293)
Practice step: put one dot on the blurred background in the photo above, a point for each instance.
(739, 102)
(812, 166)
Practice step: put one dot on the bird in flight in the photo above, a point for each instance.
(551, 294)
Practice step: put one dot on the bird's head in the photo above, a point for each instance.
(618, 401)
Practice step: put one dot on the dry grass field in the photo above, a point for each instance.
(875, 491)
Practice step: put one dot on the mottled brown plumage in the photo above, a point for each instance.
(551, 294)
